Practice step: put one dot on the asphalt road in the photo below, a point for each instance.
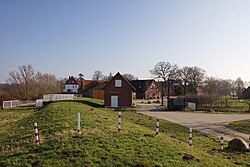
(212, 124)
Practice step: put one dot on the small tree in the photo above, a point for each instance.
(97, 75)
(130, 77)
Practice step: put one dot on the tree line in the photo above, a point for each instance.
(215, 91)
(99, 76)
(26, 83)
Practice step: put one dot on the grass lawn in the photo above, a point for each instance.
(99, 143)
(241, 126)
(233, 106)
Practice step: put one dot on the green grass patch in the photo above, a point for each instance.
(240, 126)
(99, 143)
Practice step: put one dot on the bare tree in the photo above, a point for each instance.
(47, 83)
(129, 77)
(108, 77)
(164, 70)
(23, 81)
(192, 76)
(97, 75)
(211, 88)
(28, 84)
(185, 74)
(240, 86)
(197, 75)
(225, 89)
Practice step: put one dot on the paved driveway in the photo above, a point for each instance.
(212, 124)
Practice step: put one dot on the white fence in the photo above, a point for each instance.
(10, 104)
(56, 97)
(39, 102)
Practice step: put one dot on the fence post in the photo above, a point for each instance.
(222, 143)
(157, 124)
(78, 122)
(190, 137)
(36, 133)
(119, 121)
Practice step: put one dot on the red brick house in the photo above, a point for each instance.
(118, 92)
(146, 89)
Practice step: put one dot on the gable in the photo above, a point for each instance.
(142, 86)
(246, 93)
(118, 81)
(71, 81)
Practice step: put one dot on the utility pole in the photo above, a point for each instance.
(162, 93)
(168, 92)
(184, 99)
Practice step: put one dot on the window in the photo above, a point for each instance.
(118, 83)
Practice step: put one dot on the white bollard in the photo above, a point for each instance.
(36, 133)
(190, 137)
(222, 143)
(157, 124)
(119, 121)
(78, 122)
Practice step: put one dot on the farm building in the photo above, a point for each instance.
(82, 87)
(98, 91)
(146, 89)
(118, 92)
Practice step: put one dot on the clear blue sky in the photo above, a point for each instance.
(68, 37)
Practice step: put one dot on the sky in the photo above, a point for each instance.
(65, 37)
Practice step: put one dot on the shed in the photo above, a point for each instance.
(118, 92)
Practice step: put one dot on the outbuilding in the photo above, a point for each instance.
(118, 92)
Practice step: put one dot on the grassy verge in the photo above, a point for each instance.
(241, 126)
(99, 143)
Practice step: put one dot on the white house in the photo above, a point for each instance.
(71, 85)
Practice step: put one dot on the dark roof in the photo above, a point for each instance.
(100, 86)
(93, 84)
(71, 81)
(141, 85)
(246, 93)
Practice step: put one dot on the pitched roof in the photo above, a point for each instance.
(100, 86)
(141, 85)
(93, 84)
(71, 81)
(118, 74)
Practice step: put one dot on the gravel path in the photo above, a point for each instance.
(212, 124)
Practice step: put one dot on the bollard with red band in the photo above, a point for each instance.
(249, 143)
(36, 133)
(190, 137)
(78, 122)
(157, 124)
(221, 143)
(119, 121)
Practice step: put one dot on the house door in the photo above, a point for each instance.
(114, 101)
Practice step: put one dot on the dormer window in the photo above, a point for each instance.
(118, 83)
